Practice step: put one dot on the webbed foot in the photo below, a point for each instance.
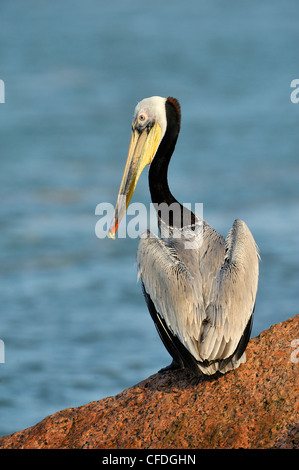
(173, 366)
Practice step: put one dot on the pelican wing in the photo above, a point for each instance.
(172, 289)
(230, 304)
(205, 295)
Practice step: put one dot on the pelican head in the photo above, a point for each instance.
(148, 129)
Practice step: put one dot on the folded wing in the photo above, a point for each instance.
(202, 294)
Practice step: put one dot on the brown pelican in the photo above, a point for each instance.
(201, 297)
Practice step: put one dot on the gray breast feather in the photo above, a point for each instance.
(206, 295)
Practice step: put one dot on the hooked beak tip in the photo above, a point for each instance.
(111, 235)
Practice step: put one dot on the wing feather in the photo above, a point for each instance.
(205, 295)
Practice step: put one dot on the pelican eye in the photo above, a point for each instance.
(142, 122)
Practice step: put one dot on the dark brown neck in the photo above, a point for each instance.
(158, 183)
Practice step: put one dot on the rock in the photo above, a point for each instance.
(254, 406)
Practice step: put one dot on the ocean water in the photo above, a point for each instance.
(73, 320)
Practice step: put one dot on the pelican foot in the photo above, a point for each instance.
(173, 366)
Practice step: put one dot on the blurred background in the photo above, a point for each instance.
(73, 318)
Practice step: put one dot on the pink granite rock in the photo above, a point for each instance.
(254, 406)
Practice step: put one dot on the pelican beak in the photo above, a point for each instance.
(142, 149)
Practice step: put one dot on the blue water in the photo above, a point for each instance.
(73, 319)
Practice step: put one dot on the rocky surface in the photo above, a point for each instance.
(254, 406)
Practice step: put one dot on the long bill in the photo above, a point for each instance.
(142, 149)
